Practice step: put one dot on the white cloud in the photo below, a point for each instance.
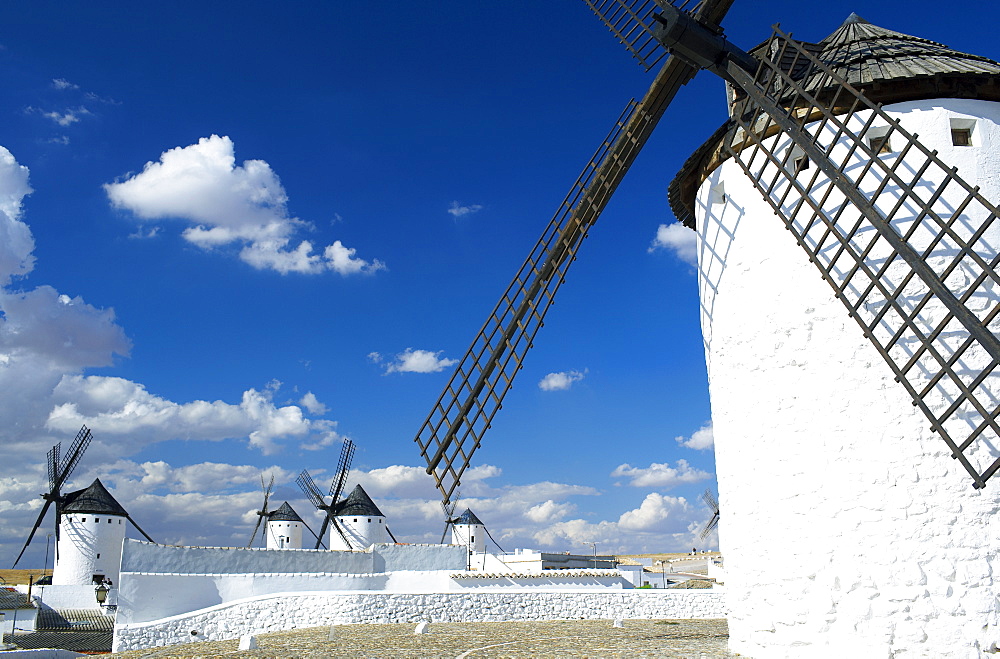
(459, 210)
(230, 204)
(549, 512)
(62, 83)
(683, 242)
(419, 361)
(16, 243)
(701, 440)
(654, 511)
(67, 118)
(560, 381)
(311, 403)
(660, 475)
(118, 407)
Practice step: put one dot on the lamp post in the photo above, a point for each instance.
(594, 546)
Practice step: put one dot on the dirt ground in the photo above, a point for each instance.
(14, 577)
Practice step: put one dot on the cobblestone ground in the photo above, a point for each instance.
(676, 639)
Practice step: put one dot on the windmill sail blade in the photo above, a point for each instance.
(73, 455)
(336, 525)
(38, 522)
(901, 238)
(710, 526)
(322, 530)
(52, 462)
(253, 536)
(309, 489)
(632, 23)
(462, 414)
(343, 468)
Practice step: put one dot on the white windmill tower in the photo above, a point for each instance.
(284, 528)
(361, 522)
(844, 456)
(469, 530)
(90, 524)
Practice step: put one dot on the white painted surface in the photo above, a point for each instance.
(284, 535)
(472, 536)
(89, 544)
(21, 619)
(294, 610)
(847, 528)
(70, 597)
(362, 531)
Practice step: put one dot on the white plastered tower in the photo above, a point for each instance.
(284, 528)
(91, 532)
(361, 522)
(847, 528)
(469, 530)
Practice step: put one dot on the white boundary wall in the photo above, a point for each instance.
(847, 528)
(283, 611)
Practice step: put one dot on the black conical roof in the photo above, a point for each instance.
(93, 499)
(358, 503)
(284, 514)
(889, 66)
(468, 517)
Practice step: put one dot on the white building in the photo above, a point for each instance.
(361, 522)
(847, 528)
(284, 528)
(469, 530)
(91, 531)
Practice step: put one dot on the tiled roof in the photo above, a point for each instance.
(93, 499)
(284, 514)
(12, 599)
(890, 66)
(358, 503)
(468, 517)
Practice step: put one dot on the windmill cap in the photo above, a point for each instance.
(358, 503)
(468, 517)
(93, 499)
(284, 514)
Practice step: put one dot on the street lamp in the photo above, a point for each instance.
(594, 546)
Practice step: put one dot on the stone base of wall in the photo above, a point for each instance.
(284, 611)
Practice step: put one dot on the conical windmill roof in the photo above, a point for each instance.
(284, 514)
(891, 67)
(93, 499)
(358, 503)
(468, 517)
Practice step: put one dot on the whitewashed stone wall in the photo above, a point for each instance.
(847, 528)
(297, 610)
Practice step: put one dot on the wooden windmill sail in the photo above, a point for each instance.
(315, 496)
(789, 111)
(59, 470)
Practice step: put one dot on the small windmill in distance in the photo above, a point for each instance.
(59, 472)
(449, 515)
(263, 512)
(713, 504)
(315, 496)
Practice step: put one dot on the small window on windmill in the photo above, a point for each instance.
(97, 520)
(963, 131)
(82, 519)
(798, 160)
(878, 140)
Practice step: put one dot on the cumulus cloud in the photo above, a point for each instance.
(62, 83)
(229, 204)
(654, 511)
(701, 440)
(16, 242)
(459, 210)
(677, 238)
(560, 381)
(417, 361)
(311, 403)
(120, 407)
(660, 475)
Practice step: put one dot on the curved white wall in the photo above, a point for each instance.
(89, 544)
(472, 536)
(847, 528)
(284, 535)
(362, 531)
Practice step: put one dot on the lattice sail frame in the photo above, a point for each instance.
(907, 245)
(463, 413)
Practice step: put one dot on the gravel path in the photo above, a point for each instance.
(676, 639)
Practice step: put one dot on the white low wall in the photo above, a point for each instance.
(284, 611)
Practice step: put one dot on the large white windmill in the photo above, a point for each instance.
(844, 455)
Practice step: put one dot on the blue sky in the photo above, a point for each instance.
(156, 284)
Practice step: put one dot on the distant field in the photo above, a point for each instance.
(12, 577)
